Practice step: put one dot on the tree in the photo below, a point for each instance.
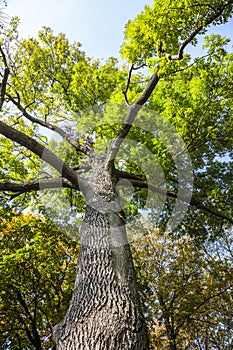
(186, 290)
(46, 82)
(38, 268)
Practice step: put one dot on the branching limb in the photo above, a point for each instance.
(204, 302)
(132, 113)
(193, 63)
(5, 78)
(82, 167)
(36, 185)
(3, 86)
(193, 202)
(127, 85)
(41, 151)
(218, 12)
(132, 68)
(49, 126)
(3, 57)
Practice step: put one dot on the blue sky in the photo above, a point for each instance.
(98, 25)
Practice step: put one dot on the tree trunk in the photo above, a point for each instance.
(104, 313)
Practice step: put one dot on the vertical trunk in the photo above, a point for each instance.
(104, 312)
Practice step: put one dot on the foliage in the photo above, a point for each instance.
(164, 26)
(186, 290)
(56, 78)
(199, 104)
(38, 269)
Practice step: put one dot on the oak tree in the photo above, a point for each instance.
(48, 84)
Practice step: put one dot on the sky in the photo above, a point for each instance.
(97, 24)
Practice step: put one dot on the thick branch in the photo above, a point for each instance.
(35, 185)
(49, 126)
(132, 113)
(127, 85)
(3, 57)
(5, 78)
(193, 202)
(41, 151)
(125, 175)
(82, 167)
(3, 86)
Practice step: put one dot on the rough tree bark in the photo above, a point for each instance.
(104, 312)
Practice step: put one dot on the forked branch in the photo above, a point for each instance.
(132, 113)
(36, 185)
(132, 68)
(41, 151)
(73, 142)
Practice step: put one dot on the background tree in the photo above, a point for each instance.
(186, 290)
(38, 269)
(47, 82)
